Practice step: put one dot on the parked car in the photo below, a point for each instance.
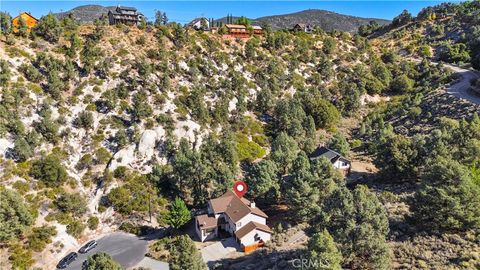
(63, 263)
(88, 246)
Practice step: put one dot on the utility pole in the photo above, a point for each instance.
(149, 207)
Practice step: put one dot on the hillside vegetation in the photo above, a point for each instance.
(101, 126)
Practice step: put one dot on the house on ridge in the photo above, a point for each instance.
(124, 15)
(29, 20)
(199, 24)
(338, 161)
(303, 27)
(236, 216)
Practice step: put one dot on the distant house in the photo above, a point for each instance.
(199, 24)
(302, 27)
(237, 30)
(241, 31)
(124, 15)
(338, 161)
(29, 20)
(236, 216)
(257, 30)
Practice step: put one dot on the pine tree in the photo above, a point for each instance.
(102, 261)
(449, 199)
(262, 177)
(184, 254)
(178, 215)
(323, 251)
(359, 224)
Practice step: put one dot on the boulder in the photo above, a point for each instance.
(147, 144)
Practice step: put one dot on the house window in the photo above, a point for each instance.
(239, 224)
(256, 237)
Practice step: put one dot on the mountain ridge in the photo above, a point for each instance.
(327, 20)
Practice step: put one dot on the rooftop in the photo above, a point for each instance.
(236, 208)
(329, 154)
(252, 225)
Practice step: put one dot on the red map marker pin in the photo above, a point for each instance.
(239, 188)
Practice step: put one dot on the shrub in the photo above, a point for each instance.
(41, 236)
(93, 222)
(49, 170)
(75, 228)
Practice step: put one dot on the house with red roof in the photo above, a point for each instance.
(236, 216)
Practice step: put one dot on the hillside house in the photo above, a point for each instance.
(29, 20)
(235, 216)
(199, 24)
(338, 161)
(257, 30)
(124, 15)
(241, 31)
(302, 27)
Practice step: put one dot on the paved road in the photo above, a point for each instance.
(126, 249)
(461, 89)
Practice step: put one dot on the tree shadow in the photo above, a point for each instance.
(259, 260)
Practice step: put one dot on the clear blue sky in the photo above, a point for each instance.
(184, 11)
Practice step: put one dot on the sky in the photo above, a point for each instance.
(184, 11)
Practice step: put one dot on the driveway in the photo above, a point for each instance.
(219, 250)
(461, 89)
(124, 248)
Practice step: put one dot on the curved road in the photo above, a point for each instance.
(461, 89)
(126, 249)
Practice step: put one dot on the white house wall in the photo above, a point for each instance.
(338, 164)
(249, 238)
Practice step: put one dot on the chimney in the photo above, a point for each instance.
(252, 204)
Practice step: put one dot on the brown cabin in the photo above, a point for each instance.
(241, 31)
(30, 21)
(124, 15)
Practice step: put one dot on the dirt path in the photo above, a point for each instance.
(462, 89)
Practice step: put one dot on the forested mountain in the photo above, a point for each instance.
(102, 127)
(326, 20)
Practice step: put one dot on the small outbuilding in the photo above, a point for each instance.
(338, 161)
(303, 27)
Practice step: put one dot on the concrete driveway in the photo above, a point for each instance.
(124, 248)
(219, 250)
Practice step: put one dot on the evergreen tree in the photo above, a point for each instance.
(449, 199)
(184, 255)
(339, 143)
(15, 216)
(309, 185)
(284, 151)
(263, 177)
(323, 250)
(359, 224)
(102, 261)
(178, 215)
(22, 29)
(49, 28)
(49, 170)
(22, 150)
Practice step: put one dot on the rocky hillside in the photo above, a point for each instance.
(102, 127)
(447, 32)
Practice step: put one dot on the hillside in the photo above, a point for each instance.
(124, 128)
(446, 32)
(326, 20)
(86, 13)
